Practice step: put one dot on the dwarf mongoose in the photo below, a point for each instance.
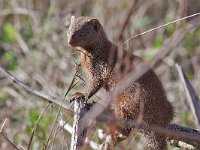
(99, 60)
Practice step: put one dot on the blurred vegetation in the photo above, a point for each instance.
(33, 47)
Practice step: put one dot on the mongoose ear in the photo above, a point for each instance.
(96, 24)
(72, 19)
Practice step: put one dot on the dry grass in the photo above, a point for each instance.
(33, 47)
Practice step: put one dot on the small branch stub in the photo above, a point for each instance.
(78, 135)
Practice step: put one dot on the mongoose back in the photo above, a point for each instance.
(100, 57)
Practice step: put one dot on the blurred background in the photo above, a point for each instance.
(33, 48)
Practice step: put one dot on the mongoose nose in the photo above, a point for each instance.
(69, 42)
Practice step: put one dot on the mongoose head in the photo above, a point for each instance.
(83, 31)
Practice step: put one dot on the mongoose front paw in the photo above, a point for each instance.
(77, 95)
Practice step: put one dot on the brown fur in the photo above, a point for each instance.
(101, 62)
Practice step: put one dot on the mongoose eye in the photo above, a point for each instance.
(95, 27)
(82, 34)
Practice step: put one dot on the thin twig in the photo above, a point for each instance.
(51, 132)
(33, 91)
(9, 141)
(3, 124)
(126, 19)
(5, 137)
(81, 78)
(72, 84)
(163, 25)
(36, 124)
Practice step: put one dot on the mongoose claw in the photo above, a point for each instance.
(77, 96)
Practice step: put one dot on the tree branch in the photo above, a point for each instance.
(192, 97)
(78, 135)
(33, 91)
